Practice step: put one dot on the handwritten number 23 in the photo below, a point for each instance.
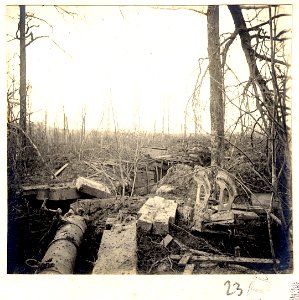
(236, 286)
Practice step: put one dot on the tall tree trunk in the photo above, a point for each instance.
(275, 128)
(23, 91)
(256, 77)
(216, 80)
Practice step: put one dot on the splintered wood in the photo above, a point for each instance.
(156, 214)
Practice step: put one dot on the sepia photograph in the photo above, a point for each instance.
(149, 140)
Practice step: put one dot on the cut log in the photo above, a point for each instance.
(61, 255)
(189, 268)
(92, 188)
(117, 253)
(228, 259)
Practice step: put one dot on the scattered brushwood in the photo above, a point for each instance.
(28, 229)
(153, 257)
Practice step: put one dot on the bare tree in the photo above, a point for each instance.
(23, 92)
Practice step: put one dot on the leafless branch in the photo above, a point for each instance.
(227, 45)
(267, 22)
(255, 7)
(31, 15)
(35, 38)
(276, 61)
(63, 11)
(187, 7)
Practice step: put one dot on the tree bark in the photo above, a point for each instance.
(23, 92)
(216, 87)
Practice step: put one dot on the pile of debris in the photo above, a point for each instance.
(188, 201)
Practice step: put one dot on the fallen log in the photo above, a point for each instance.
(228, 259)
(61, 254)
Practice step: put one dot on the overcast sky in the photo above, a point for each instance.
(135, 62)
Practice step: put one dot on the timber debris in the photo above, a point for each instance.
(188, 201)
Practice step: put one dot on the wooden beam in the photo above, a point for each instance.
(228, 259)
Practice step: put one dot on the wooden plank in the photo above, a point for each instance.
(60, 170)
(189, 268)
(228, 259)
(184, 260)
(166, 241)
(198, 252)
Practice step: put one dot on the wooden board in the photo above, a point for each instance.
(229, 259)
